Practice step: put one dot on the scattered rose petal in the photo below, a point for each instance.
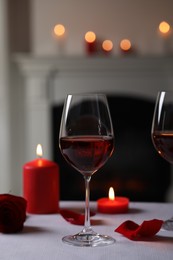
(134, 231)
(74, 217)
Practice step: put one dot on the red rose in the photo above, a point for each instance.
(12, 213)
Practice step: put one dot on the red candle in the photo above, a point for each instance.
(90, 40)
(41, 185)
(113, 204)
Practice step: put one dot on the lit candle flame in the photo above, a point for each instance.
(39, 151)
(107, 45)
(90, 37)
(164, 27)
(59, 30)
(125, 45)
(111, 193)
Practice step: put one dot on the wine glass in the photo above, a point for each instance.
(86, 141)
(162, 133)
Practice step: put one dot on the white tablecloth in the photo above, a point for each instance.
(42, 235)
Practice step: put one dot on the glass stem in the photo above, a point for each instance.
(87, 225)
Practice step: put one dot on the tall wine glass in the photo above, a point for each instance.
(162, 132)
(86, 141)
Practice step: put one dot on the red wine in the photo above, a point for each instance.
(87, 153)
(163, 142)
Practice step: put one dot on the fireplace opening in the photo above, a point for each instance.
(135, 169)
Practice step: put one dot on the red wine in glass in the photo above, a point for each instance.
(87, 153)
(163, 141)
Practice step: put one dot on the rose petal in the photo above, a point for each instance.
(74, 217)
(133, 231)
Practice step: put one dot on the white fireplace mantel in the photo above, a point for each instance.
(47, 80)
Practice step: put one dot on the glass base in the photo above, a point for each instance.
(168, 225)
(88, 240)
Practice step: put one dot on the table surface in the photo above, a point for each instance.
(41, 237)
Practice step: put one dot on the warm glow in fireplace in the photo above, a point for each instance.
(90, 36)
